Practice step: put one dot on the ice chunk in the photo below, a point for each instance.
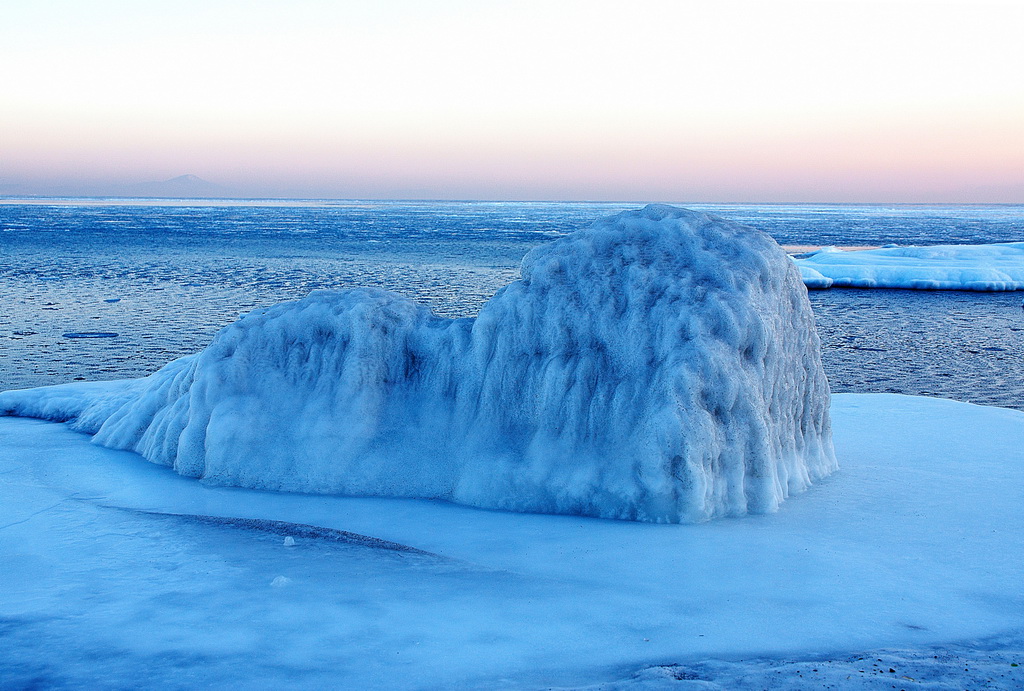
(939, 267)
(813, 279)
(659, 366)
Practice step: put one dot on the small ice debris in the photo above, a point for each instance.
(90, 334)
(289, 541)
(280, 581)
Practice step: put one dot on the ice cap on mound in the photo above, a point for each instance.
(661, 365)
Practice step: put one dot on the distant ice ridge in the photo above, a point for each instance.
(939, 267)
(661, 365)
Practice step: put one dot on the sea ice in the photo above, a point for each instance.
(661, 366)
(939, 267)
(90, 334)
(120, 574)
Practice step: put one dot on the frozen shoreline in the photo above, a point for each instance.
(913, 544)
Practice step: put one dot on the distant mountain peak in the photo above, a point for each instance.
(187, 185)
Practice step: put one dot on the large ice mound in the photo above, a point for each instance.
(938, 267)
(659, 366)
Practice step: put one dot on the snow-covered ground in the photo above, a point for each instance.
(938, 267)
(903, 570)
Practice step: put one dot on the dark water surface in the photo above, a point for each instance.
(158, 279)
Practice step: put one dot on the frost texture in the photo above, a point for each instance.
(938, 267)
(659, 366)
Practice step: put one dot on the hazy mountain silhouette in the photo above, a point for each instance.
(181, 186)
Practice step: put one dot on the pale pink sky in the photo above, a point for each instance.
(817, 100)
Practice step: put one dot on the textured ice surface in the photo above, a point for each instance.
(659, 366)
(939, 267)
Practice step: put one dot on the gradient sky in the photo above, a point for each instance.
(641, 100)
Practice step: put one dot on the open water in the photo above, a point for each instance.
(107, 289)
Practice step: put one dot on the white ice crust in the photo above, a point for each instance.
(939, 267)
(115, 573)
(660, 366)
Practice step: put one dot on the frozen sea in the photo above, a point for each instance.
(900, 571)
(107, 289)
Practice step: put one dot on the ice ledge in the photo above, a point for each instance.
(996, 267)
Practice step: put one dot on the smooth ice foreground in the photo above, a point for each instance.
(659, 366)
(120, 574)
(939, 267)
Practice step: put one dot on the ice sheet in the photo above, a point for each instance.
(939, 267)
(914, 543)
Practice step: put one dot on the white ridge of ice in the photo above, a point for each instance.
(660, 366)
(940, 267)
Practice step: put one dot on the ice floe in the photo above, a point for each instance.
(90, 334)
(939, 267)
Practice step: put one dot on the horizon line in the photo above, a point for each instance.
(8, 199)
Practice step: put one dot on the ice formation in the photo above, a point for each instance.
(939, 267)
(661, 365)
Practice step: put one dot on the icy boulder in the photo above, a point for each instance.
(659, 366)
